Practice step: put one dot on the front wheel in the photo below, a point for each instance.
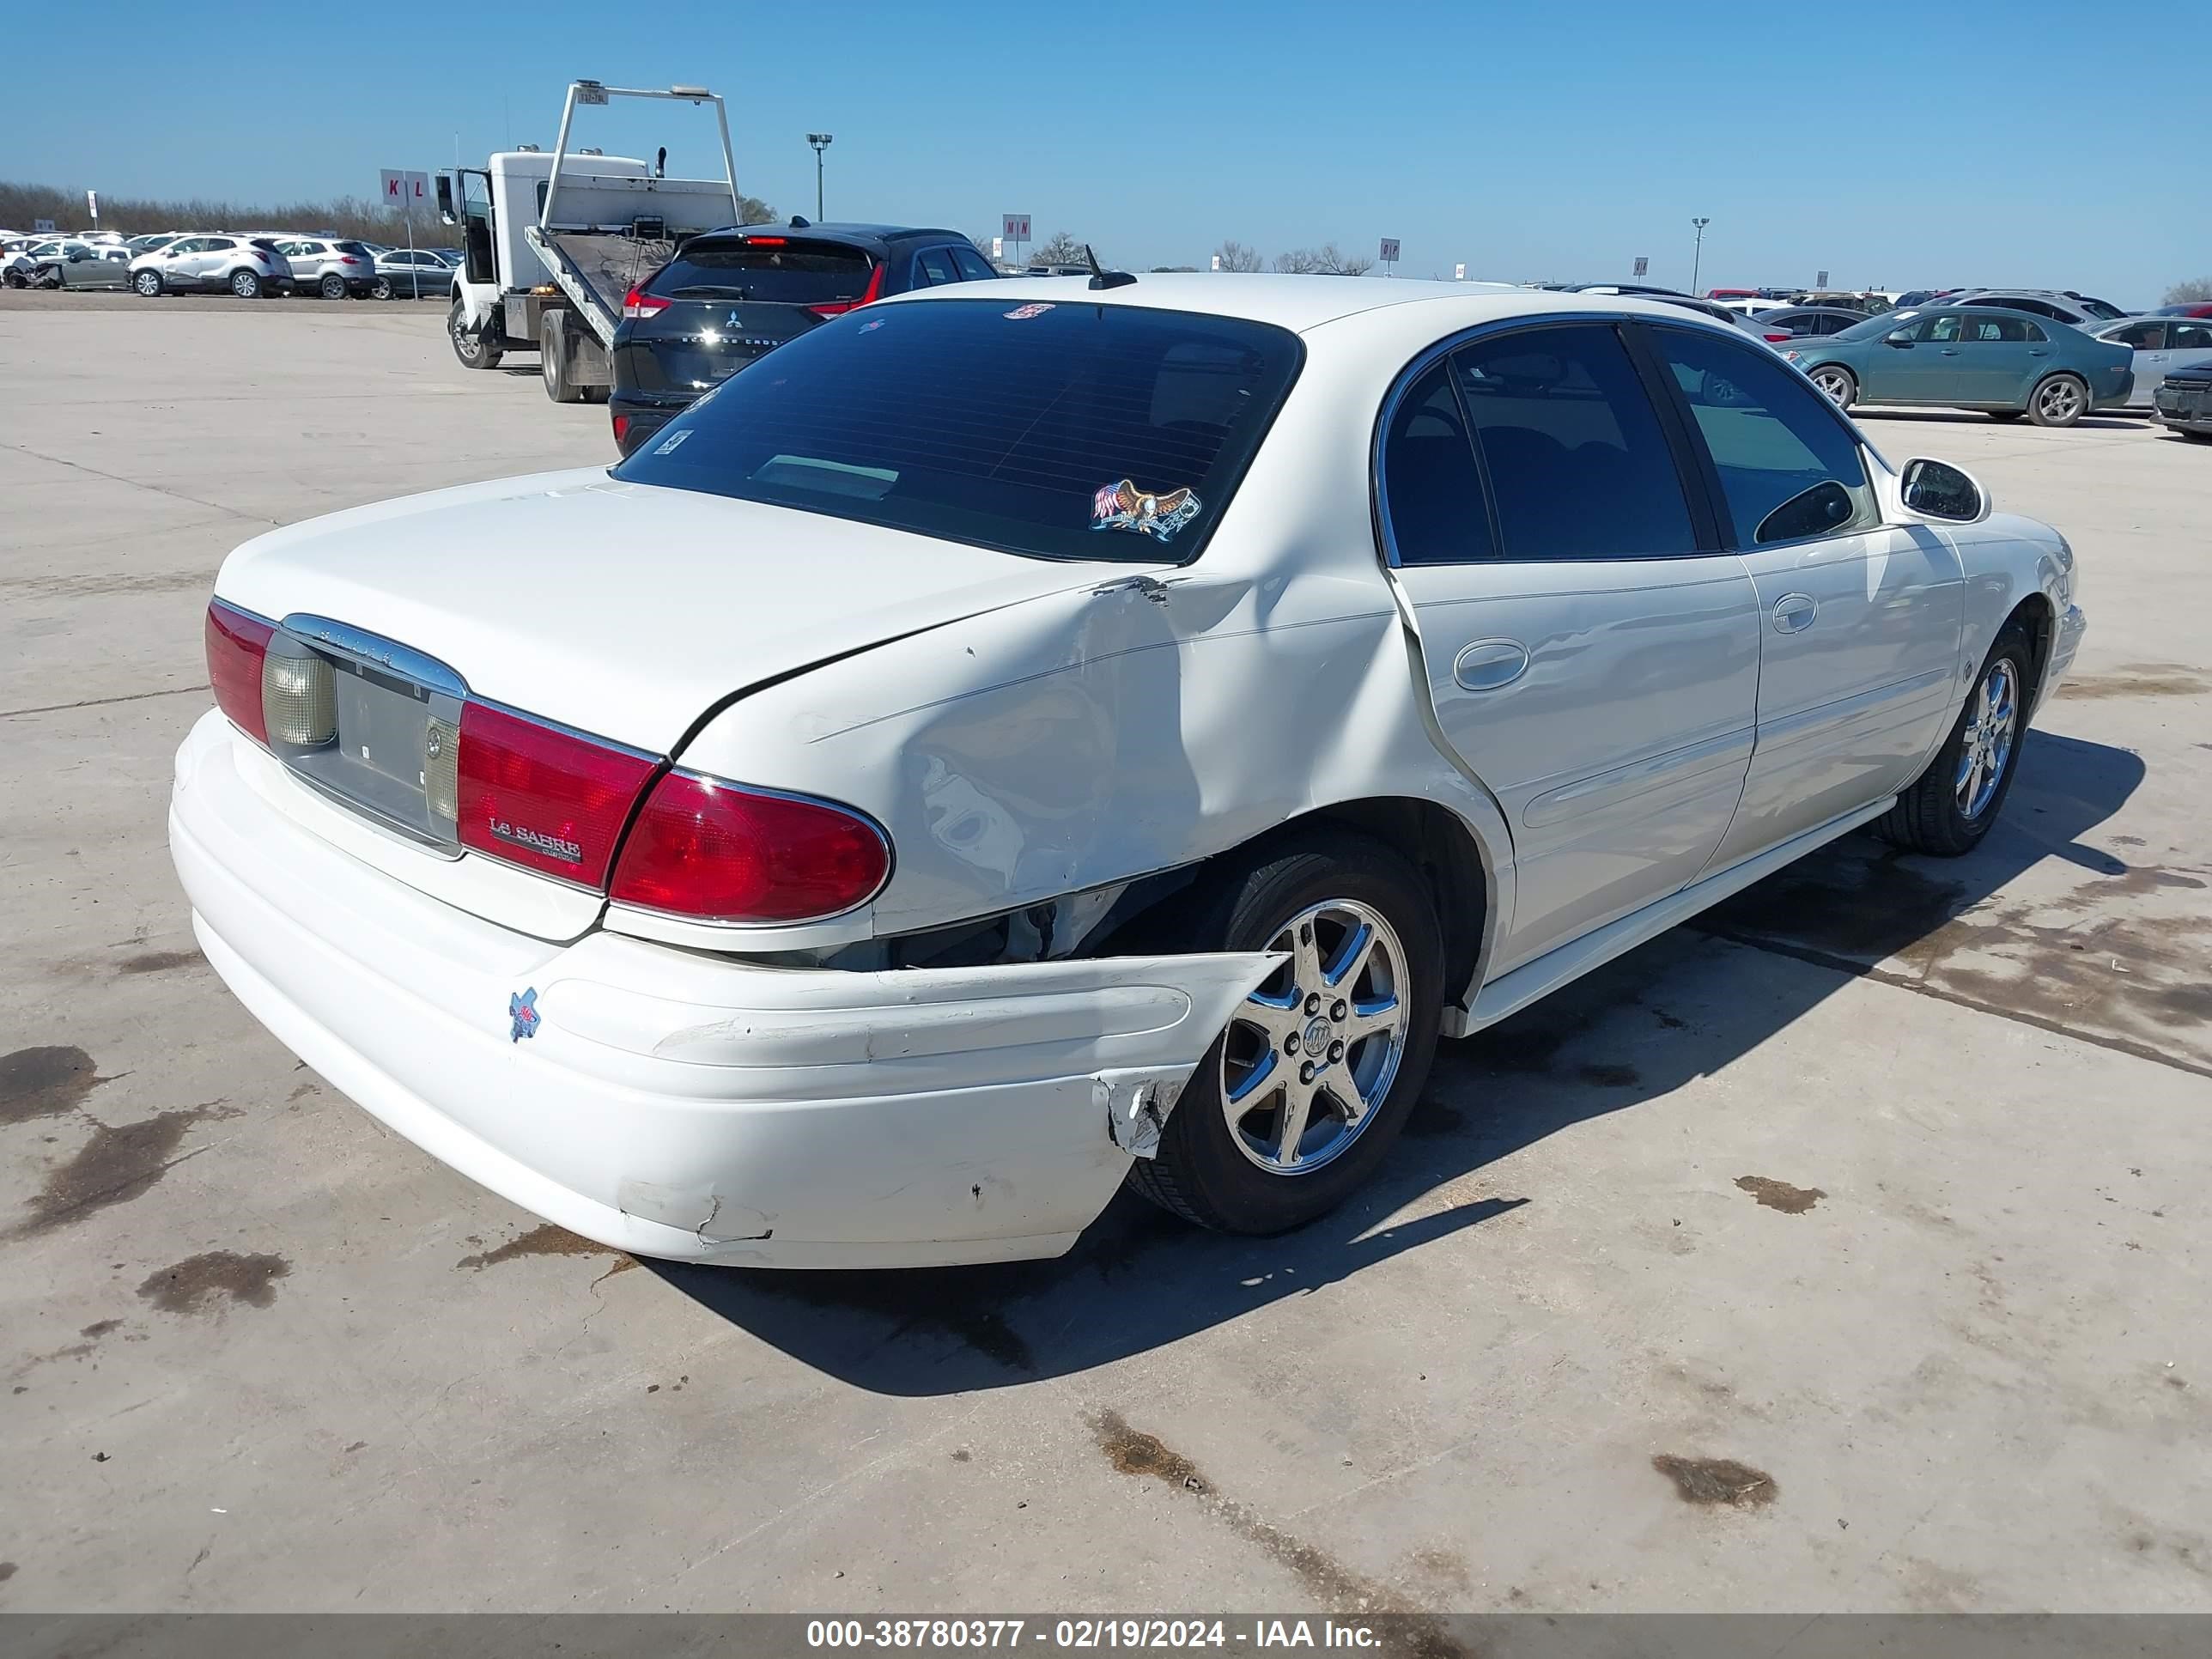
(474, 347)
(383, 288)
(246, 284)
(148, 284)
(1841, 386)
(2059, 401)
(1951, 805)
(1296, 1103)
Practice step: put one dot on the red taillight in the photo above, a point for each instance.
(348, 260)
(1773, 338)
(621, 427)
(766, 241)
(709, 849)
(638, 303)
(869, 295)
(547, 799)
(236, 645)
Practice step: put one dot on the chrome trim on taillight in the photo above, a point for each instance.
(375, 650)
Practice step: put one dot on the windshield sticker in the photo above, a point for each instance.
(1022, 313)
(1124, 507)
(671, 443)
(870, 328)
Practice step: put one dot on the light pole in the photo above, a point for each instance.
(1698, 258)
(821, 142)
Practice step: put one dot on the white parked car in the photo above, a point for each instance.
(999, 745)
(245, 266)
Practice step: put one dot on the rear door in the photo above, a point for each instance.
(717, 306)
(1592, 656)
(1859, 621)
(2188, 341)
(1993, 362)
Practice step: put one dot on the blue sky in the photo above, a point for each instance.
(1531, 141)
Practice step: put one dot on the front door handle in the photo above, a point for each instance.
(1794, 613)
(1489, 665)
(1950, 351)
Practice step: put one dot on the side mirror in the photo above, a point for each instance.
(1902, 338)
(445, 197)
(1936, 490)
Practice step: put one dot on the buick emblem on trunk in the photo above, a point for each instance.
(522, 1015)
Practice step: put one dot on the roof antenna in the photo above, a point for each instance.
(1105, 278)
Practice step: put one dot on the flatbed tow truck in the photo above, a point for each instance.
(554, 244)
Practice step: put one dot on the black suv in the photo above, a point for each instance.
(729, 296)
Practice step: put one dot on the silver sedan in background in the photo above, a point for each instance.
(2160, 345)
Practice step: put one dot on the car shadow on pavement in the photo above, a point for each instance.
(1681, 1007)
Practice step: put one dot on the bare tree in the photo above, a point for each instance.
(1236, 256)
(1057, 249)
(2197, 290)
(1327, 260)
(1334, 262)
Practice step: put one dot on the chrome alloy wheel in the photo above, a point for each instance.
(1311, 1053)
(1992, 723)
(2059, 400)
(1832, 383)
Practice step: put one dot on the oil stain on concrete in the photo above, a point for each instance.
(160, 962)
(213, 1280)
(1780, 1194)
(118, 1163)
(1708, 1482)
(546, 1240)
(1332, 1587)
(44, 1082)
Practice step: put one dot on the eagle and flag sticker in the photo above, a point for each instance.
(522, 1014)
(1124, 507)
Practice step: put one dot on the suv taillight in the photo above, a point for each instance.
(543, 797)
(638, 303)
(237, 645)
(704, 848)
(869, 295)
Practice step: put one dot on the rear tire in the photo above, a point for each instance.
(1839, 383)
(1232, 1178)
(1949, 808)
(2058, 400)
(332, 287)
(246, 284)
(553, 362)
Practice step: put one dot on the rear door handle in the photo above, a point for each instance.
(1489, 665)
(1794, 613)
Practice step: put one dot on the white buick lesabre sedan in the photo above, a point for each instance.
(1005, 742)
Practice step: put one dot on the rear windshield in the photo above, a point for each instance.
(1072, 430)
(349, 247)
(814, 274)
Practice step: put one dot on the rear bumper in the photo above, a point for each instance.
(637, 420)
(694, 1107)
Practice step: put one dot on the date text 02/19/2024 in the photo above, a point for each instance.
(1082, 1634)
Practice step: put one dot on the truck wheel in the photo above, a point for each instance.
(474, 346)
(553, 362)
(1296, 1103)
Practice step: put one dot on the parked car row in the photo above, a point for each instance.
(2005, 363)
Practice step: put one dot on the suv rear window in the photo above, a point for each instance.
(349, 247)
(1073, 430)
(809, 275)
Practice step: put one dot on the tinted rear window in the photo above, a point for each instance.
(349, 247)
(1069, 431)
(812, 274)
